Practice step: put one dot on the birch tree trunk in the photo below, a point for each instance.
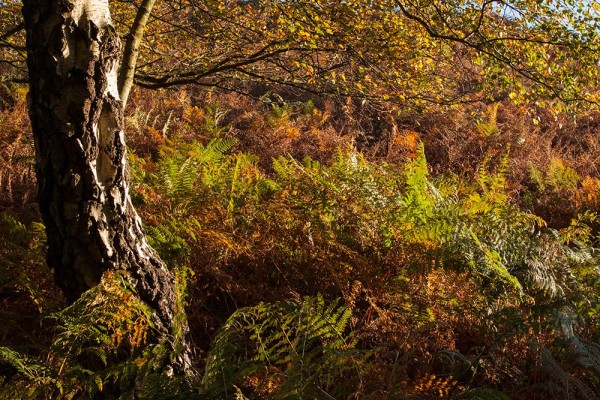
(76, 113)
(132, 49)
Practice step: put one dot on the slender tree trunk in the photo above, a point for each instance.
(131, 52)
(76, 113)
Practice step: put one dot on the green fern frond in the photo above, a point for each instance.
(305, 341)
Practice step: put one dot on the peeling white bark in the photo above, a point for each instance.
(86, 11)
(81, 164)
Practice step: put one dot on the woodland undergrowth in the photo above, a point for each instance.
(323, 255)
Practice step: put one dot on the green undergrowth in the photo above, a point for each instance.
(356, 279)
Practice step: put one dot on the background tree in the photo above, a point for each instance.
(411, 52)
